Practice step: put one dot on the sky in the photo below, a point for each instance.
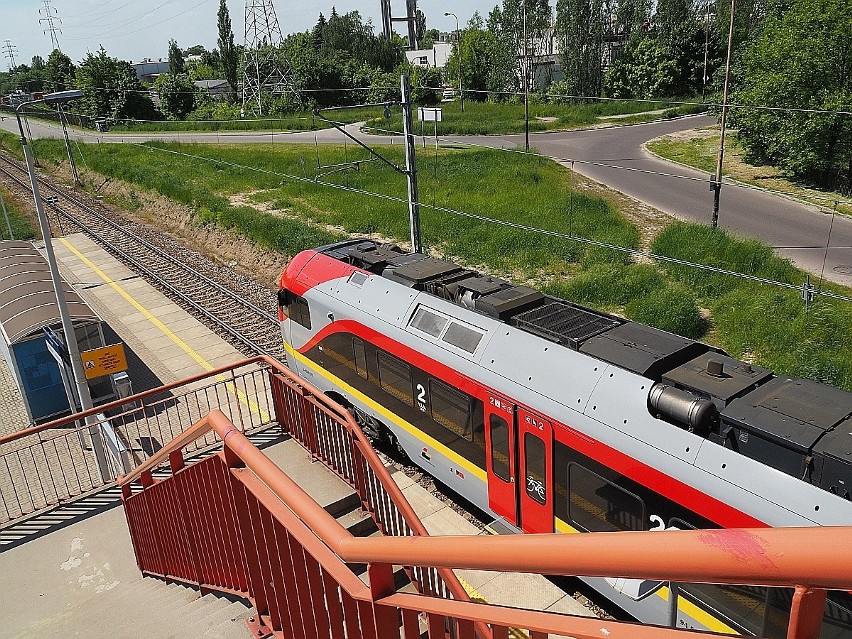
(133, 30)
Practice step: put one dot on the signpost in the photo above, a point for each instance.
(430, 114)
(104, 361)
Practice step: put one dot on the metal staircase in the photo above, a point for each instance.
(248, 545)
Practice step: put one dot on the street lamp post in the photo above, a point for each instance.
(61, 97)
(458, 44)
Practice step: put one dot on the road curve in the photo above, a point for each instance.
(615, 157)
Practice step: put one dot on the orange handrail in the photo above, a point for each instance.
(811, 559)
(767, 556)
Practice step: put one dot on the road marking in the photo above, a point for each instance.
(186, 348)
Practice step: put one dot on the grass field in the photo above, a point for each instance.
(478, 118)
(485, 118)
(20, 226)
(701, 152)
(500, 193)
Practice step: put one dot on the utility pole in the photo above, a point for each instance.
(706, 47)
(262, 62)
(459, 51)
(73, 348)
(411, 167)
(526, 86)
(717, 183)
(10, 55)
(50, 14)
(64, 121)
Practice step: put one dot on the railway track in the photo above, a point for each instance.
(236, 307)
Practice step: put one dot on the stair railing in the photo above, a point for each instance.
(235, 522)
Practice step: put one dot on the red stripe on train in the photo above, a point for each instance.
(673, 489)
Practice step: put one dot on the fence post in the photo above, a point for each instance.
(806, 613)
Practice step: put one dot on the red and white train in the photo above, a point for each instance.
(555, 417)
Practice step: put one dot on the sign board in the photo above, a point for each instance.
(103, 361)
(430, 114)
(56, 347)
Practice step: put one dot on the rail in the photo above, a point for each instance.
(235, 522)
(50, 464)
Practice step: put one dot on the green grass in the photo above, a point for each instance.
(702, 153)
(764, 323)
(761, 323)
(485, 118)
(472, 181)
(21, 228)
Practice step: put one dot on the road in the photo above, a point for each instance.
(615, 156)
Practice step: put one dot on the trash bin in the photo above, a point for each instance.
(123, 388)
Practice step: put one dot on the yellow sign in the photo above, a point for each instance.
(103, 361)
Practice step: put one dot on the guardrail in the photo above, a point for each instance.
(50, 464)
(235, 522)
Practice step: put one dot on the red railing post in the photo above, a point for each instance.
(385, 617)
(806, 613)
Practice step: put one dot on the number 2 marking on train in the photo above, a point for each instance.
(421, 397)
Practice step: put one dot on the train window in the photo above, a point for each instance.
(395, 377)
(360, 357)
(450, 408)
(358, 278)
(299, 311)
(535, 481)
(499, 428)
(428, 321)
(597, 505)
(463, 337)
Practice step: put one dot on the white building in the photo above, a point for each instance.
(436, 57)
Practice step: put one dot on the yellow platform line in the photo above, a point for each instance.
(186, 348)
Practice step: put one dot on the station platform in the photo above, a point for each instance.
(164, 344)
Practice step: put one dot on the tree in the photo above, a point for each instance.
(512, 55)
(580, 30)
(476, 52)
(59, 71)
(196, 49)
(111, 89)
(177, 95)
(227, 50)
(176, 62)
(645, 71)
(801, 59)
(680, 34)
(419, 26)
(318, 33)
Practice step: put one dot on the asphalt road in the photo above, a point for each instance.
(615, 157)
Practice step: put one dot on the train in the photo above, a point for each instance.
(551, 416)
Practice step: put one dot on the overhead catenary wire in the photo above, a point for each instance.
(514, 225)
(145, 28)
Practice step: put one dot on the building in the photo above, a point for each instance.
(148, 70)
(216, 89)
(436, 57)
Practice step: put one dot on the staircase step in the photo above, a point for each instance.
(358, 523)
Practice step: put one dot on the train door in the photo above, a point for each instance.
(535, 471)
(501, 458)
